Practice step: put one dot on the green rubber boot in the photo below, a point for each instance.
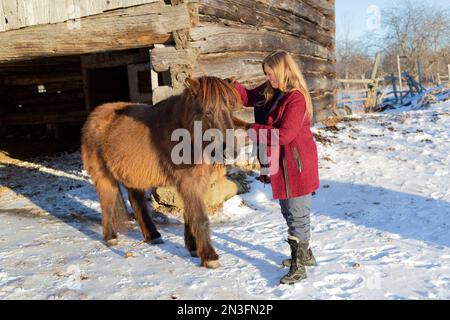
(297, 271)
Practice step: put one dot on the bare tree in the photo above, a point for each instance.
(352, 59)
(417, 32)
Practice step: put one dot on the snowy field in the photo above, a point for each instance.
(380, 227)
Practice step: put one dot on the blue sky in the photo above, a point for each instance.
(360, 16)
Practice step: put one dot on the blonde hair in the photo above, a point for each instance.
(289, 77)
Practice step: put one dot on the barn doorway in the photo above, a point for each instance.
(45, 102)
(108, 85)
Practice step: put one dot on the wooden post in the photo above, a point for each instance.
(87, 99)
(394, 87)
(448, 73)
(419, 68)
(154, 74)
(376, 65)
(400, 78)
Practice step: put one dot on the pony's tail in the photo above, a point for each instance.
(120, 220)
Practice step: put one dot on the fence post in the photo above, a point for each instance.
(400, 78)
(419, 68)
(448, 73)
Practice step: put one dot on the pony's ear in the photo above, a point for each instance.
(193, 85)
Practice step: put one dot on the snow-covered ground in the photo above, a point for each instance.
(380, 227)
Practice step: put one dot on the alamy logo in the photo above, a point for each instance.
(212, 147)
(374, 18)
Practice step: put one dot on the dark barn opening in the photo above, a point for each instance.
(108, 85)
(44, 102)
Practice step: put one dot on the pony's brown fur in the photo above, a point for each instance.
(131, 144)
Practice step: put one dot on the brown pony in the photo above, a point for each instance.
(131, 144)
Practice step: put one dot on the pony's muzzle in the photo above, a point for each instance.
(245, 115)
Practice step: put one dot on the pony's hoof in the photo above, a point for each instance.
(155, 241)
(112, 242)
(213, 264)
(193, 253)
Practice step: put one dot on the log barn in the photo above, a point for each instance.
(59, 59)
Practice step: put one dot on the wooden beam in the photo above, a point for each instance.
(2, 17)
(246, 66)
(114, 59)
(26, 13)
(304, 10)
(163, 58)
(129, 28)
(214, 38)
(10, 14)
(271, 18)
(325, 6)
(351, 100)
(360, 81)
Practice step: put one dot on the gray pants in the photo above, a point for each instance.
(297, 211)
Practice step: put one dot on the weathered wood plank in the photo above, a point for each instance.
(10, 12)
(113, 59)
(324, 6)
(357, 81)
(266, 17)
(25, 13)
(163, 58)
(2, 17)
(33, 12)
(89, 7)
(253, 74)
(245, 64)
(303, 9)
(133, 27)
(61, 11)
(213, 38)
(41, 11)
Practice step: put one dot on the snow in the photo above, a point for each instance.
(380, 227)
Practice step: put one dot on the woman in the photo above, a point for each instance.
(283, 108)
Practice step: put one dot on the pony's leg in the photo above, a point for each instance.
(114, 212)
(189, 239)
(148, 228)
(197, 221)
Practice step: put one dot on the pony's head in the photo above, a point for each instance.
(215, 101)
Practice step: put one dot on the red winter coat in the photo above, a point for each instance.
(298, 173)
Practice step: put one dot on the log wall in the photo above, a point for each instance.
(190, 37)
(234, 36)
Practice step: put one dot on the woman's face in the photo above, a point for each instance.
(270, 76)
